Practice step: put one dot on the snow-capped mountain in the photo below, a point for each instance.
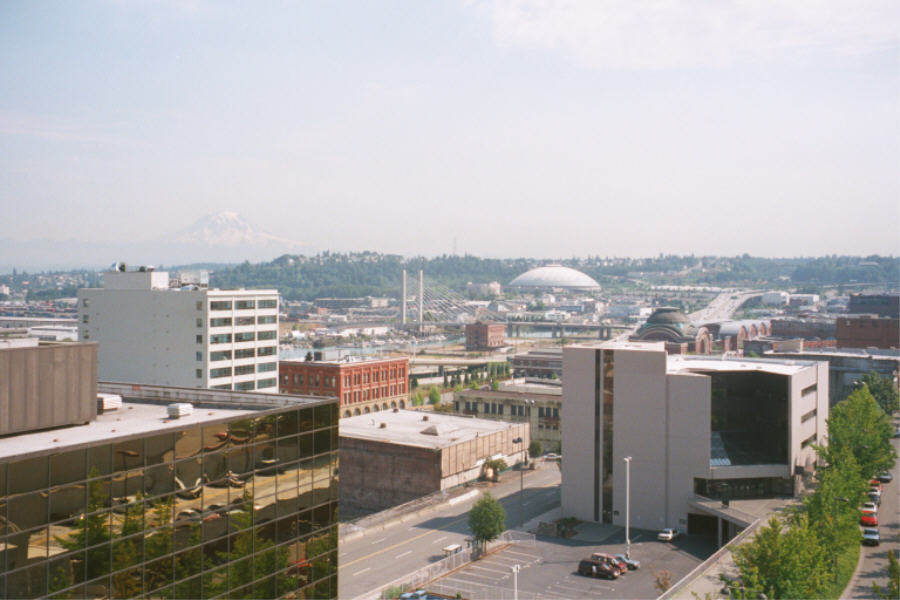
(227, 229)
(225, 237)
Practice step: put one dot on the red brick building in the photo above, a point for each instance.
(868, 331)
(485, 336)
(363, 386)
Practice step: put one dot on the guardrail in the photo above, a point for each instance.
(682, 583)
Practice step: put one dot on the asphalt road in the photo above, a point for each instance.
(549, 568)
(874, 566)
(380, 556)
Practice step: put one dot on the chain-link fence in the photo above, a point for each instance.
(474, 591)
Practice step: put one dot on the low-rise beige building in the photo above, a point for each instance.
(539, 405)
(392, 457)
(695, 429)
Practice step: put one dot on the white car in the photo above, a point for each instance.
(668, 534)
(870, 506)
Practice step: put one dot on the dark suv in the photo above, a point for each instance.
(597, 568)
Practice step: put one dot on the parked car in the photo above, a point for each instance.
(611, 560)
(876, 498)
(668, 534)
(885, 477)
(871, 537)
(597, 568)
(552, 456)
(633, 565)
(871, 507)
(875, 485)
(869, 519)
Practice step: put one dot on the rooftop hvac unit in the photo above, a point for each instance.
(180, 409)
(106, 402)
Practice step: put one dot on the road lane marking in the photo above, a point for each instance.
(398, 544)
(362, 571)
(440, 539)
(378, 541)
(404, 554)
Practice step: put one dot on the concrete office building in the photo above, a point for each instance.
(845, 365)
(392, 457)
(179, 332)
(135, 503)
(695, 427)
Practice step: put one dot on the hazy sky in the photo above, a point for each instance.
(517, 127)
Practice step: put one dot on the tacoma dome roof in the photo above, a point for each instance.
(555, 276)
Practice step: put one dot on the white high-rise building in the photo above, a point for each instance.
(696, 430)
(179, 332)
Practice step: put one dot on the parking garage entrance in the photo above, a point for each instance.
(705, 525)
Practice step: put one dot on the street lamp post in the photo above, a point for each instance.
(515, 570)
(519, 440)
(628, 507)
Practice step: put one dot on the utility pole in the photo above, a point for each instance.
(628, 507)
(403, 299)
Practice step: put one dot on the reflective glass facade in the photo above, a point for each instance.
(243, 508)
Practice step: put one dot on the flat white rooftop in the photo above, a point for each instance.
(407, 427)
(693, 364)
(143, 412)
(134, 418)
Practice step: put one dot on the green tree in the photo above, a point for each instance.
(417, 399)
(487, 520)
(832, 509)
(434, 396)
(859, 424)
(535, 448)
(883, 390)
(494, 386)
(787, 562)
(893, 589)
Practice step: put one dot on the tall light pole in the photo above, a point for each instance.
(515, 570)
(519, 440)
(628, 507)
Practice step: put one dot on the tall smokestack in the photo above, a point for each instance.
(403, 299)
(421, 300)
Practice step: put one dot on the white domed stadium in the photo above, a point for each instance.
(555, 277)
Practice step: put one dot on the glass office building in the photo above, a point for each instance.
(236, 500)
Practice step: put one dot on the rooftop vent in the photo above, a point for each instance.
(107, 402)
(179, 409)
(424, 417)
(383, 426)
(396, 410)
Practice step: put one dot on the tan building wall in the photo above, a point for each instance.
(543, 412)
(378, 474)
(47, 386)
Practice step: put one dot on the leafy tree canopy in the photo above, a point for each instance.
(487, 519)
(859, 425)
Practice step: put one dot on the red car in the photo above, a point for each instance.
(875, 484)
(611, 561)
(869, 519)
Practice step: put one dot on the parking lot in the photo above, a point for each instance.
(548, 569)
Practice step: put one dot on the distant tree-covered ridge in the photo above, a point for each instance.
(373, 274)
(357, 274)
